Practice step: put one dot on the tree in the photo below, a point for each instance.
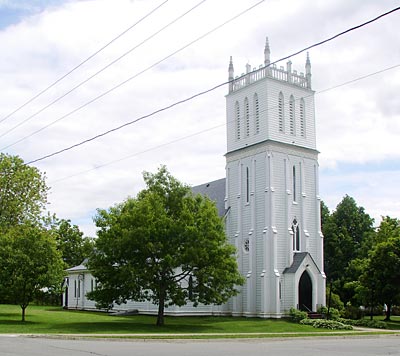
(346, 231)
(23, 192)
(381, 276)
(166, 246)
(29, 262)
(71, 243)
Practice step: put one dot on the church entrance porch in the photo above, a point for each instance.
(305, 292)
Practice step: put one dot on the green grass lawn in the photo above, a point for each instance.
(55, 320)
(393, 324)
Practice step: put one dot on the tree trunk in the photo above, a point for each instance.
(388, 311)
(23, 307)
(161, 305)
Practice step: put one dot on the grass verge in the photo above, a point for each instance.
(55, 320)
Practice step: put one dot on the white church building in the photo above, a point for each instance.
(269, 199)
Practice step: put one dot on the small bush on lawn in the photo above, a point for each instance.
(326, 324)
(334, 314)
(297, 315)
(365, 323)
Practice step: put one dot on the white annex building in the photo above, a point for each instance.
(269, 198)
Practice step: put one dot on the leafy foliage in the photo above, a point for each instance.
(23, 193)
(326, 324)
(29, 262)
(71, 243)
(346, 232)
(166, 246)
(364, 323)
(381, 275)
(297, 315)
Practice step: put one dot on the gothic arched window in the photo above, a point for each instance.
(247, 116)
(281, 113)
(292, 123)
(296, 235)
(256, 114)
(247, 185)
(302, 118)
(294, 183)
(237, 120)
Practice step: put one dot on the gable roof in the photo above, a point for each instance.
(298, 258)
(215, 190)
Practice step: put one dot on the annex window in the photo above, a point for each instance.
(296, 235)
(281, 113)
(256, 114)
(302, 118)
(247, 116)
(292, 123)
(237, 119)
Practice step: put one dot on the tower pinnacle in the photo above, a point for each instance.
(267, 53)
(308, 71)
(231, 72)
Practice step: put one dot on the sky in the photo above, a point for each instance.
(355, 77)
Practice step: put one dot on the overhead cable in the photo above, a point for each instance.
(101, 70)
(182, 138)
(132, 77)
(205, 91)
(82, 63)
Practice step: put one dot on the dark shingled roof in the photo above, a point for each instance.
(297, 260)
(215, 191)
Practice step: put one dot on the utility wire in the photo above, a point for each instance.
(205, 91)
(82, 63)
(133, 77)
(182, 138)
(101, 70)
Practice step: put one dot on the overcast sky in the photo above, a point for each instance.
(358, 124)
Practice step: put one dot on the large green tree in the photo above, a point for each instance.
(23, 192)
(381, 276)
(29, 263)
(346, 232)
(166, 246)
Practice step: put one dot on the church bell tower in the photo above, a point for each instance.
(272, 194)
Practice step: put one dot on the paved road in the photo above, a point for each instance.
(346, 346)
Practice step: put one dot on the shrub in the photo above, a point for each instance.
(326, 324)
(297, 315)
(334, 314)
(352, 312)
(364, 323)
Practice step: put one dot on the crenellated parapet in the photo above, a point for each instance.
(270, 70)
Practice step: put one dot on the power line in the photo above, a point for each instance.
(132, 77)
(82, 63)
(101, 70)
(217, 126)
(205, 91)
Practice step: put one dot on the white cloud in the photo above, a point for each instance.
(357, 123)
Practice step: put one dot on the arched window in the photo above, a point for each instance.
(281, 113)
(237, 119)
(302, 118)
(247, 116)
(296, 235)
(256, 114)
(292, 123)
(294, 184)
